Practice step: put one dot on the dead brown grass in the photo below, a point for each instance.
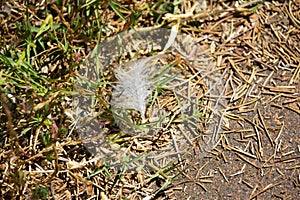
(256, 43)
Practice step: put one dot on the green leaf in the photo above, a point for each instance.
(25, 131)
(115, 6)
(46, 25)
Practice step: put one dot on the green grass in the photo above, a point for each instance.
(35, 77)
(40, 53)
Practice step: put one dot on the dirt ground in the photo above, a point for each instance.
(258, 155)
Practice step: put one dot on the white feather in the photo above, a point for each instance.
(134, 87)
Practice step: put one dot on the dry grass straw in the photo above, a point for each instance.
(257, 42)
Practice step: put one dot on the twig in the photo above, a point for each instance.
(265, 127)
(271, 185)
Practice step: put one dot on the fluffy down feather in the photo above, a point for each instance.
(134, 87)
